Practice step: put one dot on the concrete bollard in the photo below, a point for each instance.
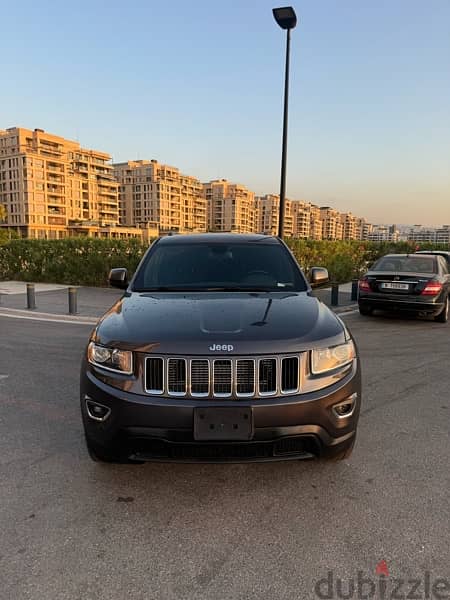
(72, 293)
(335, 294)
(31, 297)
(354, 290)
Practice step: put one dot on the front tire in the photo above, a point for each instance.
(365, 311)
(442, 317)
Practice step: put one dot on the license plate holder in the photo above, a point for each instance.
(223, 423)
(394, 285)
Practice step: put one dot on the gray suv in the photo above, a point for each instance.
(219, 351)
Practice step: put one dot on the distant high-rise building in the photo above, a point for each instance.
(51, 187)
(350, 226)
(153, 193)
(364, 228)
(332, 227)
(231, 207)
(268, 214)
(383, 233)
(301, 219)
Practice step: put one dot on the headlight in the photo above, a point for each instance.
(328, 359)
(112, 359)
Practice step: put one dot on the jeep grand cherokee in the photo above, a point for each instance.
(218, 351)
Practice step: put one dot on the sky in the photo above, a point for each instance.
(199, 85)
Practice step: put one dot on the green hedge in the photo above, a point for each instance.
(75, 261)
(87, 261)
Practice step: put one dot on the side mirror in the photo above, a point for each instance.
(318, 276)
(118, 278)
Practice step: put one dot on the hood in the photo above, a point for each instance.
(201, 323)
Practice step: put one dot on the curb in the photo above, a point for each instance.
(42, 316)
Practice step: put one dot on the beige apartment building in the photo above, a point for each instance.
(301, 219)
(231, 207)
(156, 195)
(268, 212)
(307, 223)
(364, 228)
(332, 228)
(53, 188)
(350, 229)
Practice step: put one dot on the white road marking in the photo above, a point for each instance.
(48, 319)
(3, 377)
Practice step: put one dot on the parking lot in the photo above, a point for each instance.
(74, 529)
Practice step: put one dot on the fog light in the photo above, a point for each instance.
(345, 408)
(97, 411)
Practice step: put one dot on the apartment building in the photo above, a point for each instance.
(52, 188)
(332, 227)
(157, 194)
(231, 207)
(301, 219)
(383, 233)
(350, 229)
(434, 235)
(364, 228)
(268, 213)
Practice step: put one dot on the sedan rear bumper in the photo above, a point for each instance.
(410, 305)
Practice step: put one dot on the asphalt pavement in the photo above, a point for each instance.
(74, 529)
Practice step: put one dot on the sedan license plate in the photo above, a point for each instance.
(219, 423)
(394, 285)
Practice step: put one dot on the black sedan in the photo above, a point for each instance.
(444, 253)
(413, 283)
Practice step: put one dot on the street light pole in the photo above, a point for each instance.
(285, 132)
(286, 19)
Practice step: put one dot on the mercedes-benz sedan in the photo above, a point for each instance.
(412, 283)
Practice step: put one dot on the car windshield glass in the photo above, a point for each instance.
(219, 267)
(407, 264)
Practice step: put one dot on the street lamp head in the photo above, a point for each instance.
(285, 17)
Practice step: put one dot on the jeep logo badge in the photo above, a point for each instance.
(221, 348)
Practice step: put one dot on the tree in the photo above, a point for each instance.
(3, 212)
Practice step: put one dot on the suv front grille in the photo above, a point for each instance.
(222, 377)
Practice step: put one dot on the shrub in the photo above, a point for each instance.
(87, 261)
(74, 261)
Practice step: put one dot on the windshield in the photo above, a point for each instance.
(219, 266)
(406, 264)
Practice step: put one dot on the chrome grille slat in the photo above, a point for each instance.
(245, 377)
(154, 375)
(176, 376)
(199, 378)
(289, 374)
(268, 376)
(223, 377)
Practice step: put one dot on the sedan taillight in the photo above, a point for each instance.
(364, 285)
(433, 288)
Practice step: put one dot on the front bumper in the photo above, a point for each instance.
(152, 428)
(401, 303)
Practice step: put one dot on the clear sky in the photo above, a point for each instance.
(198, 84)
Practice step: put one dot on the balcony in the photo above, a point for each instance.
(56, 221)
(55, 168)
